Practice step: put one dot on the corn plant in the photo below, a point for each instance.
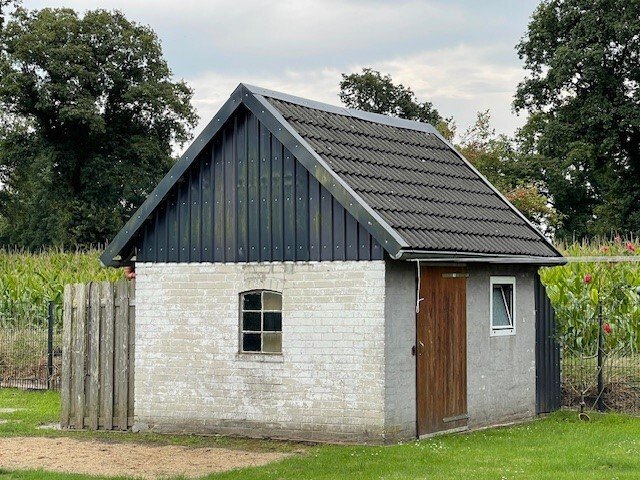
(29, 280)
(576, 290)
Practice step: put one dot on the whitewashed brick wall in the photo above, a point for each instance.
(328, 384)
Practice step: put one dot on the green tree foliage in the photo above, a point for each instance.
(90, 114)
(372, 92)
(496, 157)
(583, 96)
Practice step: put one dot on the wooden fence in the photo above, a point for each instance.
(97, 356)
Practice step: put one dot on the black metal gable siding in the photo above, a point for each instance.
(247, 199)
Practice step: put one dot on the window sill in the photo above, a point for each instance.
(260, 357)
(502, 333)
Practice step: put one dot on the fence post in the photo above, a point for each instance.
(599, 402)
(50, 345)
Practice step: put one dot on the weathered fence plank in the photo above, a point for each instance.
(98, 350)
(122, 353)
(93, 359)
(65, 383)
(132, 344)
(106, 356)
(79, 353)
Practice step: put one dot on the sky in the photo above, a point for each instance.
(457, 54)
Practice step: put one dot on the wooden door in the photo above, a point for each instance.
(442, 350)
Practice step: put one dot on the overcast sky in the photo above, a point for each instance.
(458, 54)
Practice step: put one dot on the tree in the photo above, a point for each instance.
(371, 92)
(509, 170)
(91, 114)
(583, 96)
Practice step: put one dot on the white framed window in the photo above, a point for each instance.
(502, 305)
(261, 322)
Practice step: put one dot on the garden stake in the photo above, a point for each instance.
(599, 402)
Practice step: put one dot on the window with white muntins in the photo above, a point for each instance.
(261, 322)
(503, 305)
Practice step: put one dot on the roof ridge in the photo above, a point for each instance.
(366, 134)
(345, 111)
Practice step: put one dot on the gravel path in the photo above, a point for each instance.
(126, 459)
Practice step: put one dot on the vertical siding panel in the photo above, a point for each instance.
(314, 218)
(253, 184)
(376, 250)
(218, 206)
(207, 208)
(288, 191)
(364, 244)
(351, 237)
(265, 194)
(229, 139)
(242, 222)
(277, 229)
(150, 238)
(248, 199)
(302, 213)
(184, 219)
(196, 212)
(326, 226)
(339, 242)
(173, 226)
(162, 230)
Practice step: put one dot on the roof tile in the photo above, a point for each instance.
(418, 184)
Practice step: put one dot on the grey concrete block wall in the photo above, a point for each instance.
(501, 370)
(400, 363)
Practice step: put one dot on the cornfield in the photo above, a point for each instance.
(29, 280)
(577, 289)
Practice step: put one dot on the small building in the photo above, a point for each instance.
(308, 271)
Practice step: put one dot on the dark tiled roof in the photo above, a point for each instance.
(419, 185)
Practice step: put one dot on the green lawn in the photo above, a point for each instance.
(557, 447)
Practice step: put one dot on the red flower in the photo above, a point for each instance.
(607, 328)
(604, 248)
(587, 278)
(631, 247)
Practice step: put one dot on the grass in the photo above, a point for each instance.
(557, 447)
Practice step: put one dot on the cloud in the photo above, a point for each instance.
(459, 81)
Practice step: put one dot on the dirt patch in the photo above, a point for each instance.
(123, 459)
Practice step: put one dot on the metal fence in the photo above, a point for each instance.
(605, 378)
(31, 346)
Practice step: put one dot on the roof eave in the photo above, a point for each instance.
(476, 257)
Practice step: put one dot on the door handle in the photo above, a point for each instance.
(420, 348)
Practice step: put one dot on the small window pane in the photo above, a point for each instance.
(251, 342)
(273, 321)
(272, 342)
(251, 301)
(502, 305)
(272, 301)
(251, 321)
